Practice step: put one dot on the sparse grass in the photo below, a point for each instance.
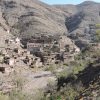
(66, 93)
(18, 80)
(98, 35)
(97, 25)
(65, 64)
(69, 90)
(63, 73)
(76, 69)
(17, 92)
(19, 95)
(3, 97)
(51, 68)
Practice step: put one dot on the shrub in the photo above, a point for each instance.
(98, 35)
(97, 25)
(3, 97)
(66, 93)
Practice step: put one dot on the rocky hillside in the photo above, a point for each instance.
(83, 83)
(25, 18)
(29, 17)
(82, 16)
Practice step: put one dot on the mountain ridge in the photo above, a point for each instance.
(25, 18)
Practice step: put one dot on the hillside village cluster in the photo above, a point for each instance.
(36, 51)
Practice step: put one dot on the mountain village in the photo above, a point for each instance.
(36, 52)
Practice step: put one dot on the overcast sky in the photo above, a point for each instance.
(66, 1)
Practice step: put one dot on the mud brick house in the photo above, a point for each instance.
(39, 43)
(51, 48)
(34, 47)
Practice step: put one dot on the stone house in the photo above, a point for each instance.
(11, 62)
(34, 47)
(77, 50)
(6, 69)
(38, 63)
(1, 59)
(2, 69)
(68, 58)
(17, 40)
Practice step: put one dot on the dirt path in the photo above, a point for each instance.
(38, 80)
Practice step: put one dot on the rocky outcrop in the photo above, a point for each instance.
(73, 22)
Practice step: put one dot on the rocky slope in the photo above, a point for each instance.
(81, 84)
(81, 18)
(32, 16)
(25, 18)
(90, 10)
